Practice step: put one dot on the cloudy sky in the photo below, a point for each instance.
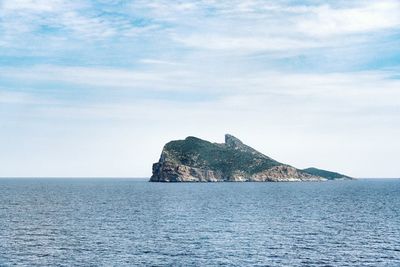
(96, 87)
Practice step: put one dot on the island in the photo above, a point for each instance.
(197, 160)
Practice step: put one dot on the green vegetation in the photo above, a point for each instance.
(228, 159)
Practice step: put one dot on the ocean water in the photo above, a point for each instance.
(128, 222)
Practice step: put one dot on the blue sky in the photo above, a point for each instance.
(95, 88)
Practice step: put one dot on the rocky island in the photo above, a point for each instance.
(197, 160)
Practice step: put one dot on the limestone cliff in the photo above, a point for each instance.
(197, 160)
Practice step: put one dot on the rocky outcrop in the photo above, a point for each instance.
(172, 172)
(327, 174)
(197, 160)
(284, 173)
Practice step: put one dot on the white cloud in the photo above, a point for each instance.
(254, 26)
(103, 77)
(171, 76)
(331, 92)
(25, 19)
(7, 97)
(33, 5)
(244, 44)
(234, 26)
(325, 21)
(158, 62)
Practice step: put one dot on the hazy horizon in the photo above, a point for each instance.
(96, 88)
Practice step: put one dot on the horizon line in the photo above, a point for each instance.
(126, 177)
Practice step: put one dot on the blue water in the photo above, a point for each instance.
(125, 222)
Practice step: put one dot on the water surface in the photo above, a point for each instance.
(125, 222)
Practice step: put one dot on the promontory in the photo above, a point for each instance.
(197, 160)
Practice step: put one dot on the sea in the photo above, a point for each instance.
(132, 222)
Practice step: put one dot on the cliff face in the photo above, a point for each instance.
(196, 160)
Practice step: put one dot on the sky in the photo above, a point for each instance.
(95, 88)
